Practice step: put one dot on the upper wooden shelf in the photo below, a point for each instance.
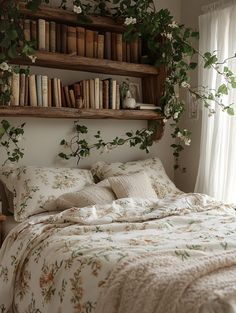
(75, 62)
(68, 17)
(79, 113)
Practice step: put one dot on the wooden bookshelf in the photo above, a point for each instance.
(77, 63)
(79, 113)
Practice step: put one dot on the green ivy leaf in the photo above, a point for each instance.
(230, 111)
(223, 89)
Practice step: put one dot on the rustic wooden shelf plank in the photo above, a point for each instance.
(75, 62)
(79, 113)
(69, 17)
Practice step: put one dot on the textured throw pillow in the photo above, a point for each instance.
(36, 188)
(91, 195)
(137, 185)
(161, 183)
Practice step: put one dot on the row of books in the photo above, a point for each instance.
(54, 37)
(40, 90)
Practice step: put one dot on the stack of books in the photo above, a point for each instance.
(40, 90)
(53, 37)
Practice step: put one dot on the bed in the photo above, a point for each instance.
(171, 254)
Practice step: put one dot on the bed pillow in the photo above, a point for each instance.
(100, 193)
(153, 167)
(36, 188)
(136, 185)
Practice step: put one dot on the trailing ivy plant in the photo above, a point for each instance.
(168, 44)
(10, 138)
(79, 148)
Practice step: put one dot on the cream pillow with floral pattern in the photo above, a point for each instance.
(36, 188)
(161, 183)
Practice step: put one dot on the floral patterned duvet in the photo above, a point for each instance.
(59, 263)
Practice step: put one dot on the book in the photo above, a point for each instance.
(78, 98)
(26, 101)
(52, 32)
(63, 98)
(140, 49)
(100, 47)
(96, 93)
(119, 48)
(134, 51)
(58, 37)
(71, 40)
(113, 103)
(41, 34)
(39, 90)
(117, 96)
(105, 93)
(95, 44)
(87, 94)
(44, 91)
(55, 101)
(89, 43)
(100, 94)
(59, 93)
(64, 38)
(108, 45)
(84, 94)
(15, 99)
(124, 53)
(32, 91)
(22, 89)
(47, 36)
(67, 96)
(146, 106)
(72, 98)
(49, 92)
(33, 33)
(113, 46)
(80, 41)
(27, 35)
(128, 59)
(92, 93)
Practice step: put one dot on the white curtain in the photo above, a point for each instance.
(217, 167)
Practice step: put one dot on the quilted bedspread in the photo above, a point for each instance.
(61, 263)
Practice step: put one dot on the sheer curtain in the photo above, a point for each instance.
(217, 166)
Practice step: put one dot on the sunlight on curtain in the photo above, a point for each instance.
(217, 167)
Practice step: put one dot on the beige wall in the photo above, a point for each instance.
(190, 157)
(42, 136)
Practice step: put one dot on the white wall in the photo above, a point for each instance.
(42, 136)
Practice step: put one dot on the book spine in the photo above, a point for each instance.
(63, 98)
(113, 46)
(67, 96)
(108, 45)
(110, 93)
(128, 59)
(64, 38)
(71, 40)
(77, 95)
(27, 30)
(47, 36)
(22, 89)
(33, 34)
(41, 32)
(59, 93)
(100, 95)
(58, 38)
(87, 94)
(100, 46)
(32, 91)
(96, 94)
(85, 101)
(117, 96)
(72, 98)
(113, 105)
(80, 41)
(119, 48)
(15, 89)
(140, 49)
(92, 93)
(105, 94)
(39, 90)
(95, 44)
(89, 43)
(134, 51)
(49, 92)
(52, 42)
(26, 101)
(124, 52)
(55, 93)
(45, 91)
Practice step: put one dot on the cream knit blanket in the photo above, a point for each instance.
(162, 283)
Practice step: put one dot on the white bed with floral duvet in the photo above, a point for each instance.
(133, 255)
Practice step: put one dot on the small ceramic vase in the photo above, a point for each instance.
(129, 102)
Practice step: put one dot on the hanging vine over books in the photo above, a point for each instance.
(168, 43)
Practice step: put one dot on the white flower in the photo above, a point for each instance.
(130, 20)
(179, 135)
(168, 80)
(176, 115)
(149, 132)
(32, 58)
(165, 120)
(169, 36)
(77, 9)
(4, 66)
(185, 85)
(187, 141)
(19, 137)
(173, 25)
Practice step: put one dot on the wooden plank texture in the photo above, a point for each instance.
(79, 113)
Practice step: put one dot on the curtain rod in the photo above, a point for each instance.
(216, 5)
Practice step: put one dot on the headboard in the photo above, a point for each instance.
(4, 200)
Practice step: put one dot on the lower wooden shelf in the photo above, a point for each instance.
(79, 113)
